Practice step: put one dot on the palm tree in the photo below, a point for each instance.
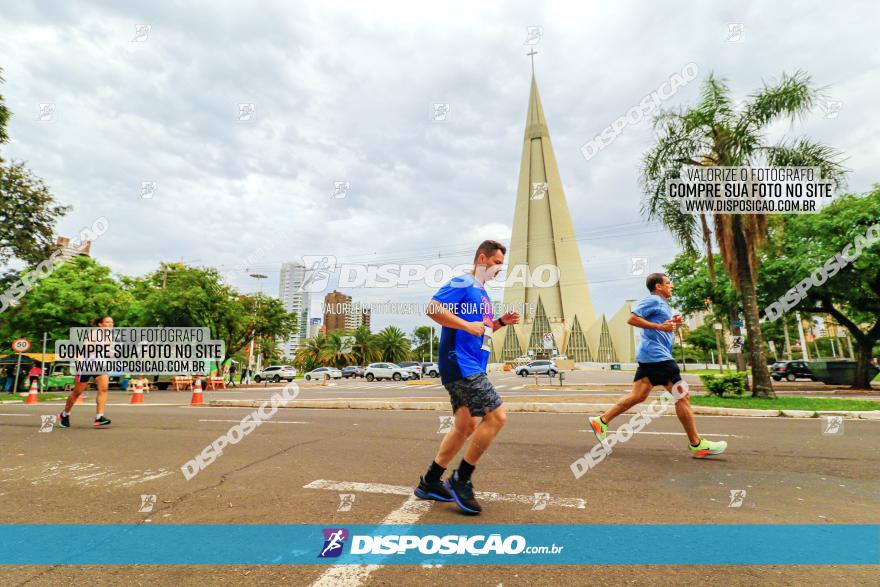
(718, 132)
(393, 345)
(310, 354)
(333, 350)
(364, 350)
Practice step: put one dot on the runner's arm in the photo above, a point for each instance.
(444, 317)
(639, 322)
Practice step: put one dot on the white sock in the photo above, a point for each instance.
(64, 413)
(99, 416)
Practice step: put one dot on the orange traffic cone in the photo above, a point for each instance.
(197, 392)
(33, 393)
(138, 395)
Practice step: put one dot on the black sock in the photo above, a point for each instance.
(603, 421)
(698, 443)
(434, 473)
(464, 471)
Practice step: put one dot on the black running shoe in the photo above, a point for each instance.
(64, 421)
(101, 422)
(435, 491)
(463, 494)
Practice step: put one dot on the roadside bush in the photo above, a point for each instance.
(729, 383)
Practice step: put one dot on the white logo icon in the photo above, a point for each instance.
(147, 503)
(340, 189)
(141, 32)
(247, 112)
(735, 32)
(533, 35)
(541, 501)
(440, 112)
(346, 501)
(445, 424)
(148, 189)
(832, 425)
(47, 422)
(539, 190)
(319, 268)
(46, 112)
(737, 496)
(639, 266)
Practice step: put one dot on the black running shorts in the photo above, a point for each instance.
(660, 373)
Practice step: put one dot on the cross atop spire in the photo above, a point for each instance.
(532, 54)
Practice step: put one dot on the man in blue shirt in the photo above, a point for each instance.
(464, 310)
(657, 367)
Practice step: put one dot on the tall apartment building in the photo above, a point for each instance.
(296, 300)
(340, 313)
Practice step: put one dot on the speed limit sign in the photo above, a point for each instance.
(21, 345)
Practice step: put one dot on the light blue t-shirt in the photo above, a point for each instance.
(656, 345)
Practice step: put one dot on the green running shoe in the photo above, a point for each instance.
(707, 447)
(600, 428)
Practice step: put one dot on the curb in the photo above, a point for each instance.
(555, 408)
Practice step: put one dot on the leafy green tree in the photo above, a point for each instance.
(28, 210)
(422, 345)
(180, 295)
(71, 296)
(393, 345)
(310, 354)
(702, 338)
(812, 246)
(716, 132)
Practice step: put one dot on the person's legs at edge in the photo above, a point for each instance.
(686, 416)
(79, 387)
(431, 484)
(639, 393)
(102, 382)
(459, 483)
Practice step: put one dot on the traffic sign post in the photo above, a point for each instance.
(20, 346)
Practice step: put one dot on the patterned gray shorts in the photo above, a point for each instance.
(475, 392)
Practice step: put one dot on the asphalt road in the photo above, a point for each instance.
(293, 469)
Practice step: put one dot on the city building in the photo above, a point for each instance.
(296, 300)
(341, 313)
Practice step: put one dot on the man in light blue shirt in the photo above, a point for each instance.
(657, 367)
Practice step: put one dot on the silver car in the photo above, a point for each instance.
(540, 367)
(386, 371)
(323, 373)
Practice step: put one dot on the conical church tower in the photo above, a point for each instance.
(543, 235)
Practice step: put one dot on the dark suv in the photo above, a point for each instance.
(791, 370)
(352, 372)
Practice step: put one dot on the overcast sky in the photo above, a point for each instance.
(344, 92)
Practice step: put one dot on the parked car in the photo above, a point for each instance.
(276, 373)
(430, 369)
(541, 367)
(386, 371)
(352, 372)
(414, 368)
(791, 370)
(323, 373)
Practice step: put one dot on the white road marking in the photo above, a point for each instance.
(677, 433)
(264, 421)
(353, 575)
(19, 415)
(566, 502)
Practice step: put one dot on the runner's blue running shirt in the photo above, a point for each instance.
(461, 353)
(656, 345)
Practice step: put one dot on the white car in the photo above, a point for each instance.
(542, 367)
(323, 373)
(386, 371)
(276, 373)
